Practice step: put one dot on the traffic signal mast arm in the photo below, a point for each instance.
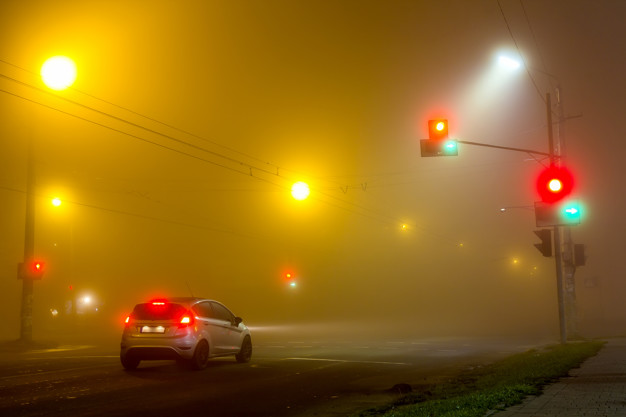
(505, 147)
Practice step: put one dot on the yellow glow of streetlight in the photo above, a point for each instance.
(56, 202)
(300, 190)
(58, 72)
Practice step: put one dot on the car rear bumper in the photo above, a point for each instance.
(157, 348)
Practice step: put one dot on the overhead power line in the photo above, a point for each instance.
(250, 169)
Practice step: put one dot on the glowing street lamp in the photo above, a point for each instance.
(300, 190)
(58, 72)
(508, 62)
(56, 201)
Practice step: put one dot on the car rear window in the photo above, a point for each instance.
(166, 311)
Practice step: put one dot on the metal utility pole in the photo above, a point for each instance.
(555, 159)
(26, 314)
(569, 267)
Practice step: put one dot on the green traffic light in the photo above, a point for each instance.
(570, 213)
(450, 147)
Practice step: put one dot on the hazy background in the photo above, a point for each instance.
(175, 150)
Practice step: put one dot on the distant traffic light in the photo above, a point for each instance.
(557, 214)
(545, 247)
(290, 279)
(438, 143)
(438, 129)
(31, 270)
(554, 184)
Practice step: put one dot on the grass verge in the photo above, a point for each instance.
(492, 387)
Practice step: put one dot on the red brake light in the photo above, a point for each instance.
(127, 320)
(186, 320)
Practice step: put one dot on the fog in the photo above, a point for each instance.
(175, 150)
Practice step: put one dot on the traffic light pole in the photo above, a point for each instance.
(558, 256)
(557, 233)
(558, 260)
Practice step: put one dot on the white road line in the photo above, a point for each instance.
(347, 361)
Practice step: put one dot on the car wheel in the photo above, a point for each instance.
(200, 358)
(245, 353)
(129, 362)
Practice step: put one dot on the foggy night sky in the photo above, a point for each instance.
(175, 150)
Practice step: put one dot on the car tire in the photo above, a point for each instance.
(245, 353)
(200, 359)
(129, 362)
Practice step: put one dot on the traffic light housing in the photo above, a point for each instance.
(438, 143)
(290, 279)
(545, 247)
(554, 184)
(557, 214)
(33, 270)
(579, 254)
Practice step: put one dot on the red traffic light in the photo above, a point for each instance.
(31, 270)
(36, 269)
(554, 183)
(438, 129)
(290, 279)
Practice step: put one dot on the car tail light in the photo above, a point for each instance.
(186, 320)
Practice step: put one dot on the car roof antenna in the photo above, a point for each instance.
(189, 288)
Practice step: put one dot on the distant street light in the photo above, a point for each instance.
(505, 208)
(56, 202)
(300, 190)
(58, 72)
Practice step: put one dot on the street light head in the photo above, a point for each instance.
(300, 190)
(508, 62)
(56, 202)
(58, 72)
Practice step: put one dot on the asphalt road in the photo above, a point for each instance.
(285, 378)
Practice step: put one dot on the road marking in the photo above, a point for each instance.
(60, 349)
(347, 361)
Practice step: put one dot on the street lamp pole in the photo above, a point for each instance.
(58, 73)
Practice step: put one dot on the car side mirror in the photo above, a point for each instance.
(238, 320)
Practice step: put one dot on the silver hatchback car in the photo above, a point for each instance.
(187, 329)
